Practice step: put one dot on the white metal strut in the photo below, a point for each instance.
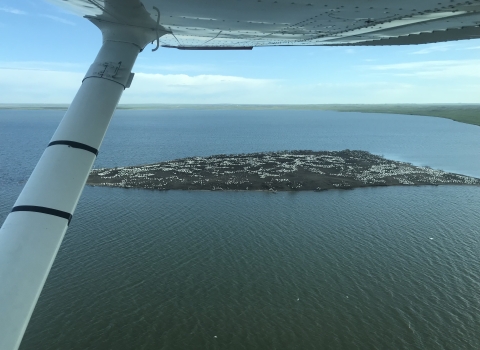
(32, 233)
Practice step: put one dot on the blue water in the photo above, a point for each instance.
(382, 268)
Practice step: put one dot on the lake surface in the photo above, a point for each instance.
(380, 268)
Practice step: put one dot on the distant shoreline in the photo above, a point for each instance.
(463, 113)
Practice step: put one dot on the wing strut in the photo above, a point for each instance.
(32, 233)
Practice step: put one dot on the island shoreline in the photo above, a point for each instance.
(283, 171)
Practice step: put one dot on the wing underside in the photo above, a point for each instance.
(209, 24)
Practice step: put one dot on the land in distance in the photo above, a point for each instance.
(464, 113)
(276, 171)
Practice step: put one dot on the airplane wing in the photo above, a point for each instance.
(209, 24)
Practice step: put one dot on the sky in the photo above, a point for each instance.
(47, 51)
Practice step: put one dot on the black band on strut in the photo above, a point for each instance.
(44, 210)
(75, 145)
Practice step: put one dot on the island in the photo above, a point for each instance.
(276, 171)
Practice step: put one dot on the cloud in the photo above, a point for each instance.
(432, 69)
(432, 49)
(39, 82)
(43, 66)
(180, 88)
(38, 86)
(12, 10)
(58, 19)
(362, 92)
(208, 83)
(162, 88)
(175, 67)
(24, 83)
